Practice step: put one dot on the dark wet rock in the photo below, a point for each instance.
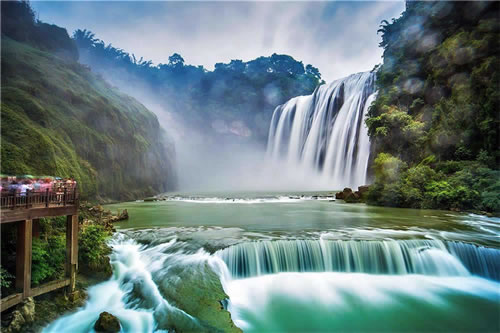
(123, 215)
(351, 197)
(107, 323)
(119, 217)
(363, 189)
(23, 315)
(342, 195)
(17, 322)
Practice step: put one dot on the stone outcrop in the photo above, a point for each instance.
(23, 315)
(351, 197)
(101, 216)
(107, 323)
(344, 194)
(363, 189)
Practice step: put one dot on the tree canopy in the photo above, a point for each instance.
(239, 91)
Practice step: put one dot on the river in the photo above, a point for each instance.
(284, 262)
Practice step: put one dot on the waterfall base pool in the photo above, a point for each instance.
(285, 263)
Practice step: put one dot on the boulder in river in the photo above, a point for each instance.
(107, 323)
(342, 195)
(363, 189)
(351, 197)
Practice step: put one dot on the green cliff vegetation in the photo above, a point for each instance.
(58, 118)
(435, 122)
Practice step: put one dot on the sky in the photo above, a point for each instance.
(340, 38)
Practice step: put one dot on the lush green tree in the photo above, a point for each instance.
(438, 103)
(311, 70)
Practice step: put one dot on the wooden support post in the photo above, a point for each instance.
(23, 257)
(36, 228)
(71, 250)
(47, 198)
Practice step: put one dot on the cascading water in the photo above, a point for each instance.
(324, 133)
(360, 286)
(272, 285)
(396, 257)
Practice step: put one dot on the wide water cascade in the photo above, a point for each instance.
(339, 267)
(324, 133)
(429, 257)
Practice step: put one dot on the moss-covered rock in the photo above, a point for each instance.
(200, 298)
(107, 323)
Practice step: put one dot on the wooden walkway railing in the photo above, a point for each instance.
(33, 199)
(25, 211)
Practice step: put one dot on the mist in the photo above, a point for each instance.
(211, 160)
(220, 150)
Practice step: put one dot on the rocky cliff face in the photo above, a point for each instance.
(58, 118)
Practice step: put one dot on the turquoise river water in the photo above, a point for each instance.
(299, 262)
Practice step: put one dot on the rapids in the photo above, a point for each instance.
(303, 264)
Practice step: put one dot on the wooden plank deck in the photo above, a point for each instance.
(35, 205)
(10, 301)
(13, 215)
(25, 211)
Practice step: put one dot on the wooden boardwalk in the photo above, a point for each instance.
(25, 211)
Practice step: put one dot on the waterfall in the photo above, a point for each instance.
(322, 285)
(396, 257)
(325, 132)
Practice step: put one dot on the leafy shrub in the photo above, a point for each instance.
(52, 226)
(438, 101)
(388, 167)
(5, 278)
(461, 185)
(48, 259)
(93, 249)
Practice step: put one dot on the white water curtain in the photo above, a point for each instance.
(324, 133)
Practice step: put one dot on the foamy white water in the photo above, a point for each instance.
(131, 294)
(299, 284)
(323, 136)
(256, 200)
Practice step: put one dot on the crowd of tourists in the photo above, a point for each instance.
(20, 185)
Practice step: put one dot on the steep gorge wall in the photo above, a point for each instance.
(58, 118)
